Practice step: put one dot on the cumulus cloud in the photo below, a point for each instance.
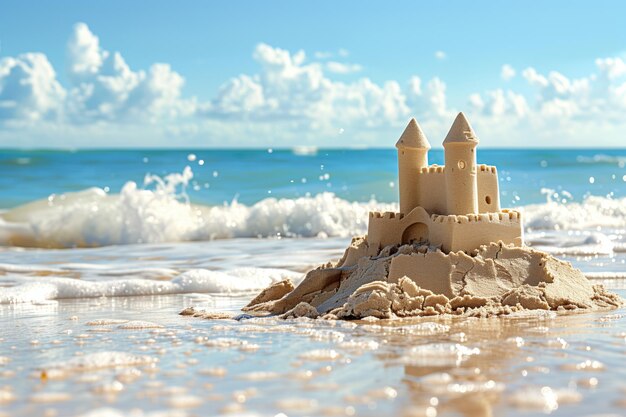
(102, 87)
(499, 103)
(106, 88)
(600, 96)
(84, 53)
(291, 96)
(559, 109)
(558, 100)
(29, 90)
(290, 88)
(322, 54)
(428, 101)
(507, 72)
(440, 55)
(342, 68)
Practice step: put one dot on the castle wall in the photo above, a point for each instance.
(488, 190)
(432, 187)
(387, 228)
(453, 233)
(484, 228)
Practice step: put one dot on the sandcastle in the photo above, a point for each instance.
(455, 207)
(450, 250)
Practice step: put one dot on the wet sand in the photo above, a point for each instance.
(569, 365)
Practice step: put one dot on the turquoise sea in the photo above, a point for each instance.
(249, 176)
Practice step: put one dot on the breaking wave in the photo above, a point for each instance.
(25, 289)
(160, 211)
(559, 213)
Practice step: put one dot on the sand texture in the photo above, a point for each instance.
(414, 280)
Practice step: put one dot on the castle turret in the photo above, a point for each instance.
(412, 156)
(460, 155)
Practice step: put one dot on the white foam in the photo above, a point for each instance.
(98, 360)
(94, 218)
(439, 354)
(163, 213)
(112, 412)
(575, 243)
(193, 281)
(606, 275)
(603, 159)
(591, 213)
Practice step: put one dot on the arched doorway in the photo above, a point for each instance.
(417, 232)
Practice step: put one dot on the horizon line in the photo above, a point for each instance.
(311, 148)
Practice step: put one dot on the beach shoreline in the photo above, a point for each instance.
(403, 367)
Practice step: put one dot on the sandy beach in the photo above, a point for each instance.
(110, 356)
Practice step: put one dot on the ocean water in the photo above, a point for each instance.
(249, 176)
(99, 251)
(190, 206)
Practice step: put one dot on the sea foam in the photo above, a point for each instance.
(162, 213)
(93, 217)
(237, 280)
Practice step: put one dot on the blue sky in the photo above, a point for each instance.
(229, 74)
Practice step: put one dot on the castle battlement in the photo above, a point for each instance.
(440, 169)
(456, 206)
(433, 169)
(508, 216)
(488, 169)
(387, 215)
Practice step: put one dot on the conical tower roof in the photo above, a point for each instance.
(461, 132)
(413, 137)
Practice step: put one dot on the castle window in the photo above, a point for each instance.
(488, 200)
(461, 164)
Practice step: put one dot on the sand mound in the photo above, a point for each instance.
(420, 280)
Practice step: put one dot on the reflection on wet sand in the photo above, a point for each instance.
(524, 362)
(120, 354)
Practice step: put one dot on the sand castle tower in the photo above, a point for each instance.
(455, 207)
(460, 155)
(413, 150)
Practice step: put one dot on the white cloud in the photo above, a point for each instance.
(241, 95)
(562, 111)
(84, 53)
(106, 88)
(507, 72)
(342, 68)
(292, 99)
(288, 88)
(441, 55)
(29, 90)
(599, 97)
(429, 102)
(323, 54)
(499, 103)
(612, 68)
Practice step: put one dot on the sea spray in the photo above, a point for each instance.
(240, 280)
(161, 212)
